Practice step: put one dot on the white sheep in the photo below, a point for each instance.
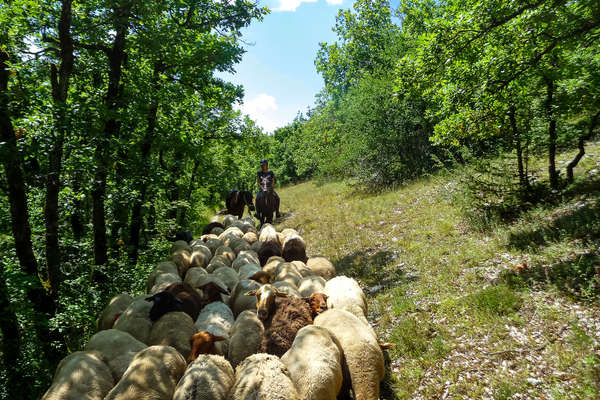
(315, 362)
(225, 251)
(183, 259)
(82, 375)
(271, 265)
(230, 233)
(180, 245)
(268, 234)
(345, 293)
(113, 310)
(216, 318)
(209, 377)
(256, 245)
(152, 374)
(174, 329)
(228, 220)
(288, 288)
(200, 258)
(135, 320)
(162, 281)
(193, 277)
(250, 237)
(287, 272)
(321, 266)
(238, 301)
(262, 377)
(288, 231)
(363, 354)
(164, 267)
(302, 268)
(245, 257)
(228, 276)
(311, 284)
(117, 347)
(245, 336)
(213, 244)
(218, 262)
(247, 270)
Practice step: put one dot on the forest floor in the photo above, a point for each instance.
(509, 310)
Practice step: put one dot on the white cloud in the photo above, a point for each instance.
(291, 5)
(335, 1)
(262, 110)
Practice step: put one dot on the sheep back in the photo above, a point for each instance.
(345, 293)
(193, 277)
(209, 377)
(359, 344)
(118, 349)
(315, 363)
(268, 234)
(245, 337)
(135, 320)
(294, 248)
(216, 318)
(180, 245)
(268, 250)
(174, 329)
(290, 315)
(238, 301)
(321, 266)
(262, 377)
(152, 374)
(81, 375)
(115, 307)
(311, 284)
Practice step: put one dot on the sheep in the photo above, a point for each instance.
(118, 349)
(135, 320)
(268, 234)
(231, 232)
(194, 275)
(245, 337)
(248, 270)
(250, 237)
(203, 342)
(294, 248)
(183, 259)
(288, 288)
(321, 266)
(218, 262)
(311, 284)
(113, 310)
(213, 244)
(177, 297)
(267, 250)
(209, 377)
(344, 293)
(249, 253)
(262, 277)
(200, 258)
(81, 375)
(152, 374)
(289, 231)
(225, 252)
(208, 236)
(272, 264)
(315, 362)
(302, 268)
(262, 377)
(245, 257)
(217, 231)
(164, 267)
(363, 354)
(228, 275)
(208, 228)
(174, 329)
(240, 246)
(287, 272)
(216, 318)
(238, 301)
(256, 245)
(228, 220)
(280, 238)
(282, 318)
(162, 281)
(317, 303)
(211, 288)
(180, 245)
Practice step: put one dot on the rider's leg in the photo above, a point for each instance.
(277, 201)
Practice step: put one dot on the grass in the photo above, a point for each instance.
(466, 323)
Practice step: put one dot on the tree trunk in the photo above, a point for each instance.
(523, 182)
(581, 146)
(60, 89)
(188, 196)
(113, 103)
(552, 173)
(76, 217)
(10, 346)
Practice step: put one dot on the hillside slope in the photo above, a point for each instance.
(507, 312)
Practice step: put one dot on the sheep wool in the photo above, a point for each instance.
(193, 277)
(250, 237)
(213, 244)
(302, 268)
(153, 374)
(288, 288)
(209, 377)
(321, 266)
(216, 318)
(311, 284)
(118, 349)
(363, 354)
(345, 293)
(174, 329)
(262, 377)
(180, 245)
(239, 302)
(162, 281)
(135, 320)
(165, 267)
(268, 234)
(228, 276)
(245, 337)
(287, 272)
(115, 307)
(315, 363)
(247, 270)
(294, 248)
(80, 376)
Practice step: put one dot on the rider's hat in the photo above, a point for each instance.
(263, 161)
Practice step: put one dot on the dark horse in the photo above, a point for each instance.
(266, 202)
(237, 200)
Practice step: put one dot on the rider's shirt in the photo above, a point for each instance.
(268, 174)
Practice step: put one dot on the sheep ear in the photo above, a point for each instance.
(217, 338)
(250, 293)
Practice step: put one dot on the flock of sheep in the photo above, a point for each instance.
(236, 314)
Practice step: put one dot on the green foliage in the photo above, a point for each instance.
(494, 301)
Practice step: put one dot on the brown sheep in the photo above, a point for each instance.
(203, 343)
(282, 317)
(294, 248)
(267, 250)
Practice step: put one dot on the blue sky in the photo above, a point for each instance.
(277, 71)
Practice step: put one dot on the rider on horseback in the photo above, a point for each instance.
(268, 177)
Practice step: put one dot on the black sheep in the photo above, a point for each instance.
(267, 250)
(182, 297)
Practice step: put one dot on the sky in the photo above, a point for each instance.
(277, 70)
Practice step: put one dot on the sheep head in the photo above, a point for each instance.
(317, 303)
(203, 342)
(265, 300)
(262, 277)
(212, 291)
(164, 302)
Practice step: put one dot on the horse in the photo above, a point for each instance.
(237, 200)
(266, 203)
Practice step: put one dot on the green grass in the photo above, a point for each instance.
(466, 324)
